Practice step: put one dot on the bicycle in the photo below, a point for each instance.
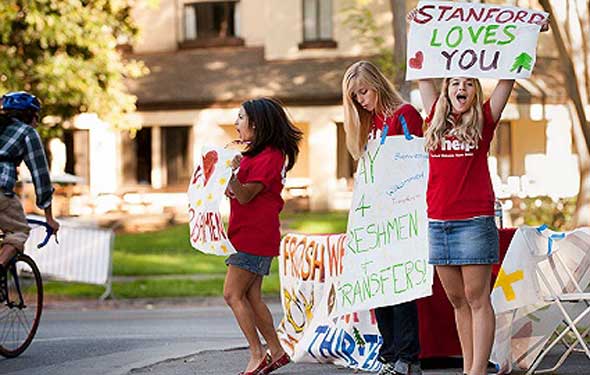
(21, 300)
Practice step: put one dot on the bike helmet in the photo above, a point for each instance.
(20, 100)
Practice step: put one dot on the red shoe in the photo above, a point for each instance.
(282, 361)
(265, 362)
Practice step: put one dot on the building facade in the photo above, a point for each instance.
(207, 56)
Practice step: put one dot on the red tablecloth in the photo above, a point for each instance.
(438, 335)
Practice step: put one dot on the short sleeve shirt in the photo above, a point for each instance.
(459, 183)
(394, 125)
(254, 227)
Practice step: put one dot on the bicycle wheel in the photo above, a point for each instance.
(20, 312)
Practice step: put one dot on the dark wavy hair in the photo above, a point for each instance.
(272, 127)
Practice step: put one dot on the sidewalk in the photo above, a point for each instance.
(232, 362)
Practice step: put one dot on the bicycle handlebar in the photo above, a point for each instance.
(48, 231)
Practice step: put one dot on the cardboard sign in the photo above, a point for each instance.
(309, 267)
(386, 249)
(205, 192)
(459, 39)
(525, 320)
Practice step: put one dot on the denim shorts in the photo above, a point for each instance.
(459, 242)
(257, 264)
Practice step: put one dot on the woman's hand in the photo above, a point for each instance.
(412, 15)
(544, 24)
(235, 163)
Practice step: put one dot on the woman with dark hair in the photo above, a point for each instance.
(272, 146)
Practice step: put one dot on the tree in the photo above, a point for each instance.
(400, 42)
(391, 61)
(65, 52)
(577, 86)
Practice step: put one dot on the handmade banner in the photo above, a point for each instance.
(524, 320)
(309, 267)
(386, 257)
(460, 39)
(205, 192)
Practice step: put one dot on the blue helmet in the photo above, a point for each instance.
(20, 100)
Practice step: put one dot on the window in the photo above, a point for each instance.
(212, 23)
(143, 156)
(346, 164)
(136, 158)
(317, 24)
(175, 155)
(77, 150)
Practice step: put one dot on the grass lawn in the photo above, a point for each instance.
(154, 288)
(168, 252)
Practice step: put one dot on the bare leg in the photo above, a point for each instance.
(264, 321)
(237, 284)
(453, 283)
(477, 290)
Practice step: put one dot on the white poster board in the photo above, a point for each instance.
(525, 320)
(309, 267)
(386, 257)
(460, 39)
(205, 193)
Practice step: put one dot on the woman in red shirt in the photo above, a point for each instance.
(462, 234)
(255, 191)
(372, 104)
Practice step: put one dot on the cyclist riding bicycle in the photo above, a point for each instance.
(19, 141)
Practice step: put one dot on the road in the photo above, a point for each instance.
(163, 340)
(115, 341)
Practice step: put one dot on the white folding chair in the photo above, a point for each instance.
(563, 284)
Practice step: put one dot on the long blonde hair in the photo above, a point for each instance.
(469, 127)
(357, 120)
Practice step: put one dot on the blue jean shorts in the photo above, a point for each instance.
(460, 242)
(257, 264)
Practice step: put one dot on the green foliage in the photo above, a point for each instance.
(64, 51)
(361, 22)
(558, 215)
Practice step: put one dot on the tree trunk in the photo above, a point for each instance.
(581, 127)
(582, 214)
(398, 9)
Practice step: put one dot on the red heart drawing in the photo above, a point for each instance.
(209, 160)
(417, 60)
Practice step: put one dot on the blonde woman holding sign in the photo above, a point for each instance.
(463, 238)
(372, 105)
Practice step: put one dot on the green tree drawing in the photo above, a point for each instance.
(522, 61)
(358, 338)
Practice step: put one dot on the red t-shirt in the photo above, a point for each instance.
(413, 119)
(254, 226)
(459, 183)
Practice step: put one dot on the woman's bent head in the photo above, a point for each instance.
(365, 91)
